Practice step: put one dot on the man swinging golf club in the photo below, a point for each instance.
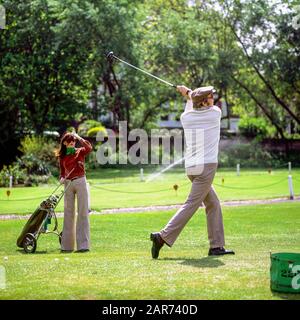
(201, 124)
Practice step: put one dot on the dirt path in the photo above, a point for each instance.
(166, 207)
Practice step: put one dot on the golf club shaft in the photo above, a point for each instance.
(149, 74)
(59, 184)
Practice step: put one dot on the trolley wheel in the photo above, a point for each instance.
(29, 243)
(59, 237)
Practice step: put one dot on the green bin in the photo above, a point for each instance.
(285, 272)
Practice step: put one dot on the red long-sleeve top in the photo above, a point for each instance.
(76, 161)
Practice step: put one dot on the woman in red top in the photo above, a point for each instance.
(72, 171)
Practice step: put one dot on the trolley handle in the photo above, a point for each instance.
(60, 184)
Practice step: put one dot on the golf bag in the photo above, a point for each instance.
(40, 219)
(38, 223)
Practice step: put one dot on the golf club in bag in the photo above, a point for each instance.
(110, 57)
(40, 219)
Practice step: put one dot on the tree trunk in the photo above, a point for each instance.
(267, 83)
(95, 102)
(261, 106)
(228, 109)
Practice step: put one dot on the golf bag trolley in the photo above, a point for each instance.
(39, 221)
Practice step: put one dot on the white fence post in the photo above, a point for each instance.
(290, 167)
(2, 278)
(142, 174)
(10, 181)
(238, 169)
(291, 187)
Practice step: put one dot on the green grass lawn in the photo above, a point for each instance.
(115, 188)
(120, 266)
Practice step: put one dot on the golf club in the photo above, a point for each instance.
(110, 56)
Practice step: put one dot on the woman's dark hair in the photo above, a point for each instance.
(61, 151)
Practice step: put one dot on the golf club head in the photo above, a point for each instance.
(110, 56)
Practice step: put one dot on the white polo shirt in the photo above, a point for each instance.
(202, 134)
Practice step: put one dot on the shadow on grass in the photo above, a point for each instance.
(286, 296)
(206, 262)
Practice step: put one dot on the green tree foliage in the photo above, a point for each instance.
(54, 73)
(257, 128)
(268, 43)
(89, 128)
(51, 58)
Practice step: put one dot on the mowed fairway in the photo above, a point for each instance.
(120, 266)
(117, 188)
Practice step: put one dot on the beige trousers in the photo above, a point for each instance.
(202, 191)
(78, 187)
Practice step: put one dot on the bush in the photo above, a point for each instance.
(292, 136)
(255, 128)
(34, 166)
(87, 125)
(247, 155)
(91, 161)
(14, 170)
(94, 131)
(40, 148)
(35, 180)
